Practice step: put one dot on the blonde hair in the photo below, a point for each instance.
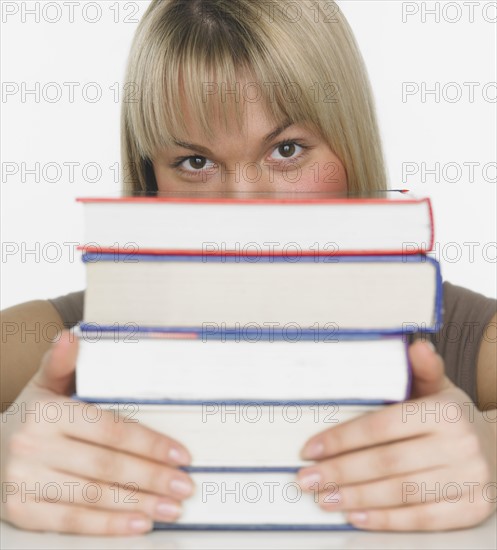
(309, 70)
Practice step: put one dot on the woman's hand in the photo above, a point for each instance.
(73, 467)
(425, 464)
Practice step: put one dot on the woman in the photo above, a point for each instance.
(243, 96)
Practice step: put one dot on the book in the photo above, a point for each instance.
(231, 434)
(141, 367)
(347, 293)
(264, 499)
(251, 224)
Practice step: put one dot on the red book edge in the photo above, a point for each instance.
(207, 200)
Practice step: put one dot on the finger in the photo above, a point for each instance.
(367, 430)
(70, 518)
(58, 487)
(428, 370)
(425, 486)
(377, 463)
(102, 464)
(93, 424)
(56, 372)
(423, 517)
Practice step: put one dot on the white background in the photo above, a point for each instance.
(401, 43)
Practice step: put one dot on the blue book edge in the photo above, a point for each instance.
(273, 402)
(254, 527)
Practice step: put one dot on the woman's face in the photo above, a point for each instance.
(259, 159)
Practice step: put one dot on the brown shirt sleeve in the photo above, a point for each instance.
(465, 317)
(70, 307)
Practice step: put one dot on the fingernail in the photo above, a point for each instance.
(168, 509)
(181, 487)
(179, 456)
(357, 517)
(314, 450)
(309, 478)
(140, 525)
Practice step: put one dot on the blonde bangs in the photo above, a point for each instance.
(208, 56)
(185, 72)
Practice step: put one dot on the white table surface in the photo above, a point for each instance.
(482, 536)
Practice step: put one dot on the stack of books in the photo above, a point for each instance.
(243, 326)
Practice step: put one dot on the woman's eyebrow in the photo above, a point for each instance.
(206, 151)
(277, 131)
(192, 146)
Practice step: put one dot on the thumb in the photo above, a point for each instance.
(428, 372)
(56, 372)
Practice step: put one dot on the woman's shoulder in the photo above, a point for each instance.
(463, 304)
(466, 315)
(70, 307)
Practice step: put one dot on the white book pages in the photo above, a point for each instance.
(233, 226)
(374, 295)
(216, 370)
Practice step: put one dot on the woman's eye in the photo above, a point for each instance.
(287, 150)
(196, 164)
